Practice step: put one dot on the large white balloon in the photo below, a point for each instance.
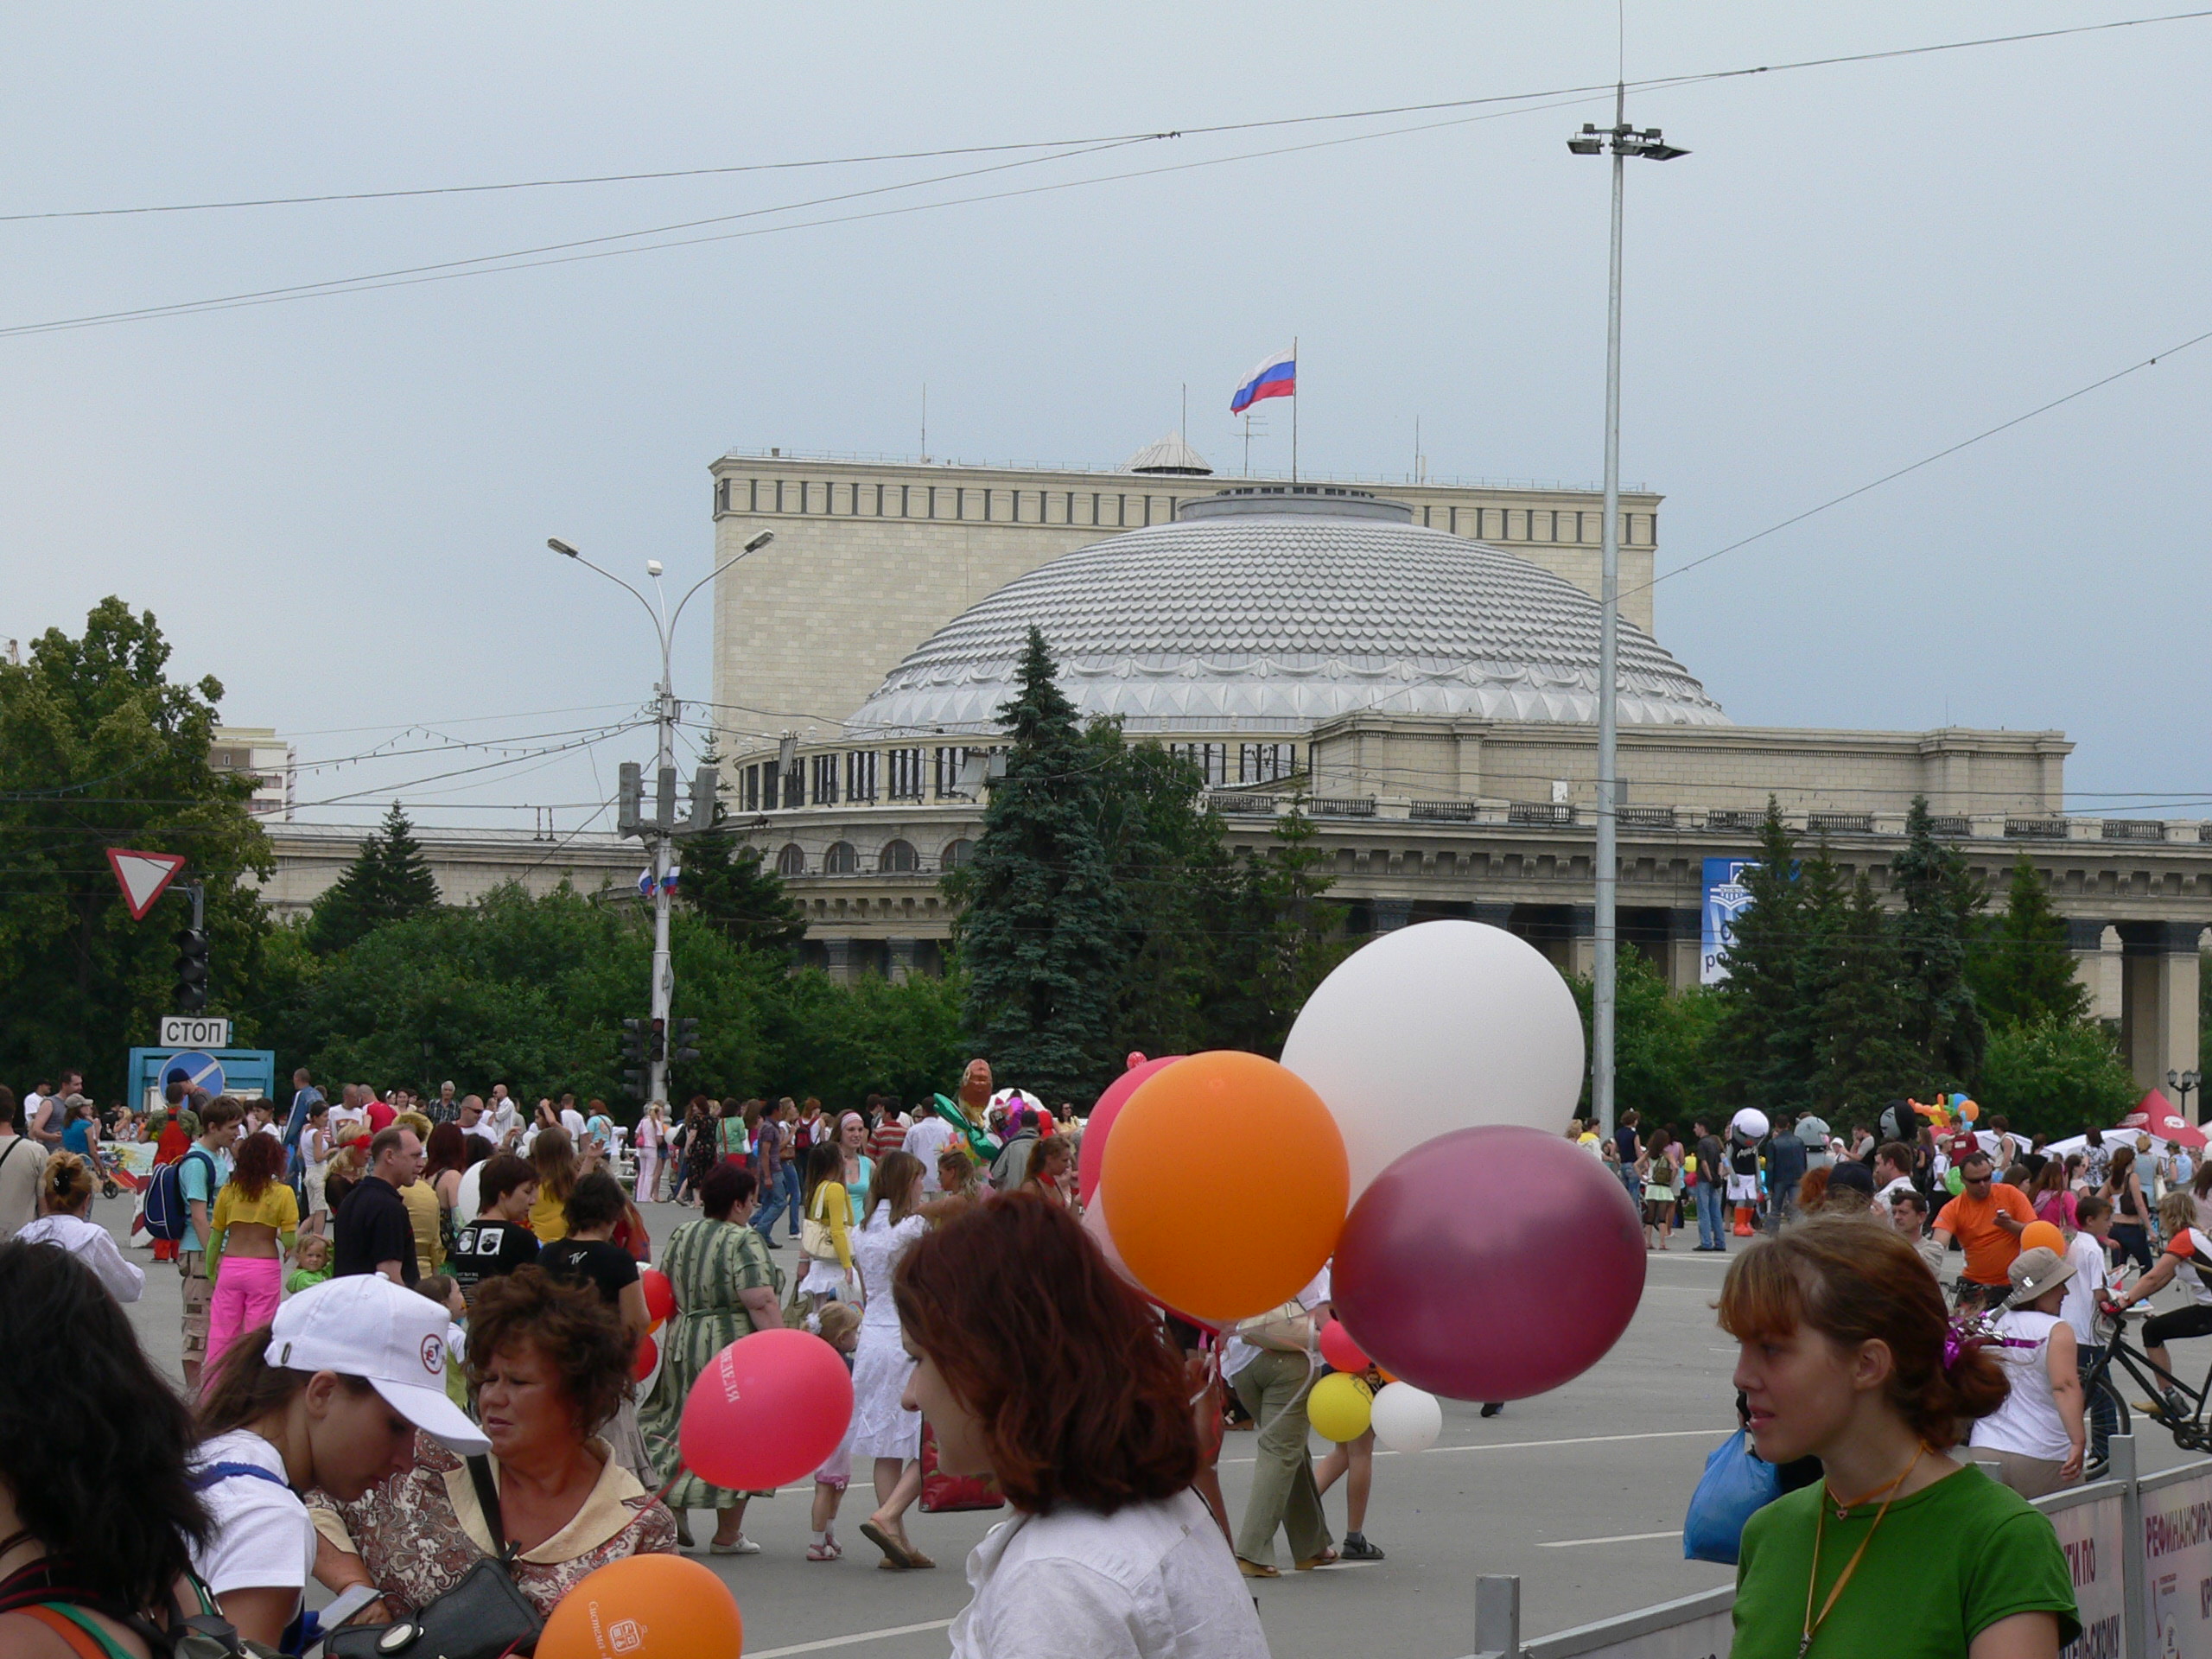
(1438, 1026)
(1405, 1419)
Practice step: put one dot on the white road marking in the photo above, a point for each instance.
(849, 1640)
(1571, 1543)
(1530, 1446)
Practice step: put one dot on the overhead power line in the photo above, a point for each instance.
(728, 169)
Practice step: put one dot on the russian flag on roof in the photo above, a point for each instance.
(1276, 377)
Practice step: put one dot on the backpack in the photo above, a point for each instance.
(168, 1214)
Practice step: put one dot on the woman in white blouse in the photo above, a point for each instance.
(65, 1186)
(1037, 1365)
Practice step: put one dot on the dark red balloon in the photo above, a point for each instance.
(1092, 1158)
(1490, 1263)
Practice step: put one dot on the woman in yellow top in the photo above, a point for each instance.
(421, 1197)
(255, 1218)
(553, 1155)
(828, 1211)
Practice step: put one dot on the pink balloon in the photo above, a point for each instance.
(1340, 1349)
(769, 1409)
(1092, 1159)
(1490, 1263)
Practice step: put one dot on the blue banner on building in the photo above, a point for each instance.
(1725, 899)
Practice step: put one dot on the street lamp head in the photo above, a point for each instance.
(653, 567)
(1654, 151)
(1586, 142)
(760, 541)
(562, 548)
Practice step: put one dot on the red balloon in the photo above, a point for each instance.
(1490, 1263)
(769, 1409)
(648, 1357)
(660, 1295)
(1092, 1158)
(1340, 1349)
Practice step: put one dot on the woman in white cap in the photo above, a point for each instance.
(330, 1401)
(2037, 1434)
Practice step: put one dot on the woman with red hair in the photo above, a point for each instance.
(1037, 1365)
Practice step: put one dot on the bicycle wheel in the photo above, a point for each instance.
(2104, 1391)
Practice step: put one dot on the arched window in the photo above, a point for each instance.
(958, 852)
(791, 860)
(841, 859)
(897, 858)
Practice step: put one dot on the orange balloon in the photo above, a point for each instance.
(1225, 1244)
(645, 1607)
(2044, 1234)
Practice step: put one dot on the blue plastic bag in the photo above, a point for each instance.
(1735, 1483)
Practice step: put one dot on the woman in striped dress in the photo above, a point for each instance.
(726, 1288)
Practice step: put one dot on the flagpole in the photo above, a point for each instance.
(1293, 409)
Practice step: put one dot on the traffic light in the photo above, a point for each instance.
(685, 1052)
(657, 1044)
(633, 1050)
(191, 969)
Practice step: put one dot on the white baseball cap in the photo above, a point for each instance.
(364, 1326)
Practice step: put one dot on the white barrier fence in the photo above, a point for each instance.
(2140, 1550)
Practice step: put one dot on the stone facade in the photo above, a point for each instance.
(872, 557)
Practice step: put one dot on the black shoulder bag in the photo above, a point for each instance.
(483, 1616)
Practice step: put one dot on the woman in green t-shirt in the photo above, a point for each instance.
(1848, 1356)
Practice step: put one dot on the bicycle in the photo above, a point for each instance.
(2191, 1433)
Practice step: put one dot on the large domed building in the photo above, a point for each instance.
(1271, 610)
(1428, 697)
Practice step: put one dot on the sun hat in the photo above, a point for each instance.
(2035, 1271)
(364, 1326)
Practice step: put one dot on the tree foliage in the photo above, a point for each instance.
(2052, 1075)
(532, 991)
(100, 749)
(1943, 913)
(2022, 972)
(387, 880)
(1662, 1044)
(1042, 929)
(1763, 1037)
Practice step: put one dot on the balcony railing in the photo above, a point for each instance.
(2135, 830)
(2035, 828)
(1840, 824)
(1553, 813)
(1343, 806)
(1443, 811)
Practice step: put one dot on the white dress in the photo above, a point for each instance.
(881, 1427)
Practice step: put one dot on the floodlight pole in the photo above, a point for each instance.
(1622, 142)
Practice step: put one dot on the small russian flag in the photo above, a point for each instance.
(1276, 377)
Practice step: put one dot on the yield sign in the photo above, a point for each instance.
(144, 877)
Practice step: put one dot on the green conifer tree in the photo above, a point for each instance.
(2022, 972)
(1860, 1050)
(1765, 1036)
(387, 880)
(1942, 912)
(1041, 927)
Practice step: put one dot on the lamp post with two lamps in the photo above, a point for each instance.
(660, 829)
(1621, 141)
(2185, 1084)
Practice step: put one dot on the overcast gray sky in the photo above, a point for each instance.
(339, 506)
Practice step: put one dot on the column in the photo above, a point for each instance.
(1685, 949)
(902, 959)
(1582, 939)
(2159, 1028)
(841, 959)
(1391, 914)
(2085, 940)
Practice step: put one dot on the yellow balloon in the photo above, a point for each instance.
(1340, 1407)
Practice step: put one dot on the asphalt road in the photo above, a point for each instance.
(1579, 1492)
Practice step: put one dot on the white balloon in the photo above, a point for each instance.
(1405, 1419)
(1750, 1123)
(1442, 1026)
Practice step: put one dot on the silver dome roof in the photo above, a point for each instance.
(1259, 611)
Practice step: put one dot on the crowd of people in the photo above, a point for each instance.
(406, 1335)
(412, 1326)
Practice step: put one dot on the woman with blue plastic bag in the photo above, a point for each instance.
(1846, 1354)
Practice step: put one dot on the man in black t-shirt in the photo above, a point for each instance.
(589, 1256)
(371, 1232)
(499, 1240)
(1711, 1176)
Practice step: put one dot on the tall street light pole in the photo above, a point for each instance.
(661, 828)
(1621, 141)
